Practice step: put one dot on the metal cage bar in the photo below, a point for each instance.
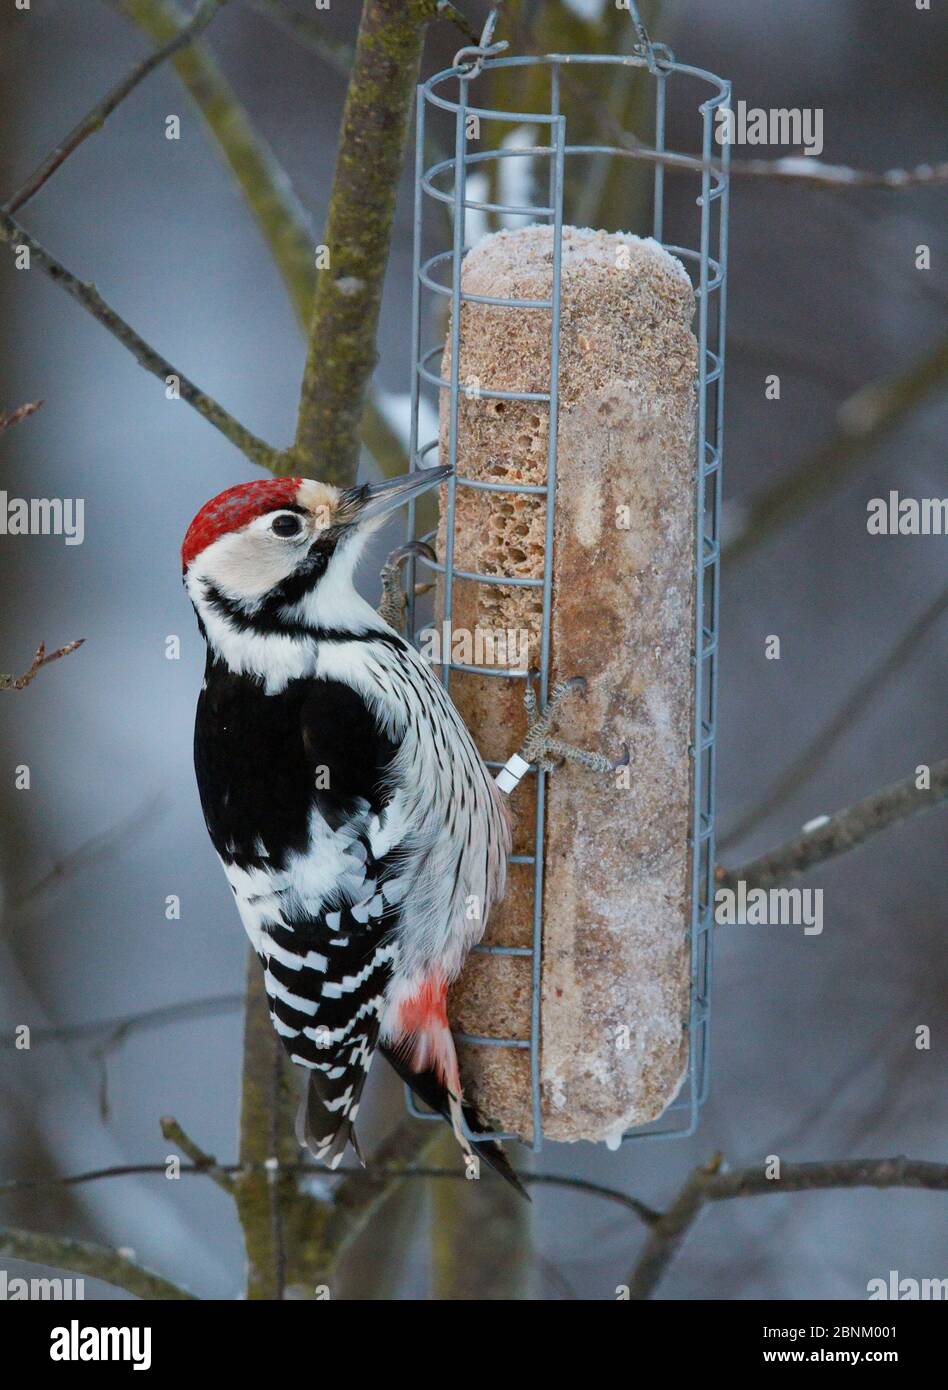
(708, 272)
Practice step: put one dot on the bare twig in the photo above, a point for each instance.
(841, 832)
(814, 755)
(89, 298)
(96, 1261)
(118, 1028)
(800, 169)
(267, 1192)
(342, 333)
(865, 418)
(307, 30)
(364, 1191)
(668, 1229)
(336, 52)
(445, 10)
(807, 170)
(283, 223)
(22, 412)
(457, 1174)
(40, 660)
(711, 1184)
(100, 113)
(203, 1162)
(96, 848)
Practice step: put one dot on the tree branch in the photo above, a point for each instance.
(849, 712)
(100, 113)
(668, 1229)
(40, 660)
(457, 1174)
(266, 187)
(336, 52)
(445, 10)
(307, 30)
(96, 1261)
(89, 298)
(21, 412)
(841, 832)
(863, 419)
(97, 847)
(280, 216)
(360, 1195)
(267, 1191)
(118, 1028)
(203, 1162)
(803, 169)
(710, 1184)
(794, 169)
(344, 322)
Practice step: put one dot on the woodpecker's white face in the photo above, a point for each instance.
(273, 555)
(264, 552)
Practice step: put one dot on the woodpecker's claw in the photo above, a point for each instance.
(541, 748)
(394, 600)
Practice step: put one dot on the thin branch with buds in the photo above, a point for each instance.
(41, 659)
(374, 1171)
(667, 1229)
(842, 832)
(266, 187)
(95, 119)
(712, 1184)
(96, 1261)
(89, 298)
(21, 412)
(796, 169)
(863, 420)
(344, 320)
(842, 722)
(336, 52)
(203, 1163)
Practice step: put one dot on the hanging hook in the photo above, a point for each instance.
(644, 45)
(485, 49)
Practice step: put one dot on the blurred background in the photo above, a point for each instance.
(813, 1051)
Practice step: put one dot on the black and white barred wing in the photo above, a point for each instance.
(322, 922)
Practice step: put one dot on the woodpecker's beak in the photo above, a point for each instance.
(372, 502)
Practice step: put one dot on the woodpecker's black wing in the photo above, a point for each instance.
(291, 784)
(349, 757)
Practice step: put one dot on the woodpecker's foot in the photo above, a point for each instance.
(394, 599)
(547, 752)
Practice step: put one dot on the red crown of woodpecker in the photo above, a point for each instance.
(233, 508)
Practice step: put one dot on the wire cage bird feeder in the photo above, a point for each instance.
(692, 97)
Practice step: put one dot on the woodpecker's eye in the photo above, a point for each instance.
(286, 524)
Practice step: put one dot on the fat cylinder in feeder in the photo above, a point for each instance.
(616, 909)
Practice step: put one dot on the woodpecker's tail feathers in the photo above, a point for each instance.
(430, 1088)
(320, 1131)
